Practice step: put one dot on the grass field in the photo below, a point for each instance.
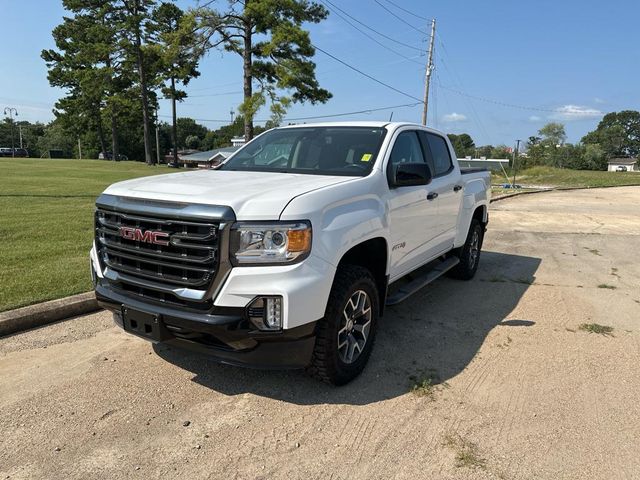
(46, 219)
(46, 224)
(559, 177)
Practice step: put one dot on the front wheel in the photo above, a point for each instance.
(469, 253)
(345, 335)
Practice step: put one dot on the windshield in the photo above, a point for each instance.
(348, 151)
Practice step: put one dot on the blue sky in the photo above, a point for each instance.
(569, 61)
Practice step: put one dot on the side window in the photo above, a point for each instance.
(406, 149)
(440, 153)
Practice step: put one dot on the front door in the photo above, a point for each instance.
(413, 211)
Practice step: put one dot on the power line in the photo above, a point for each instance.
(498, 102)
(401, 19)
(456, 78)
(314, 117)
(370, 37)
(370, 110)
(407, 11)
(368, 76)
(212, 87)
(215, 94)
(372, 29)
(201, 119)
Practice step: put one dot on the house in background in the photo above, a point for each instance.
(208, 159)
(623, 165)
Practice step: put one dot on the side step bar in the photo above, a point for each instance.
(422, 281)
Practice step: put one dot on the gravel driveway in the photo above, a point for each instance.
(508, 385)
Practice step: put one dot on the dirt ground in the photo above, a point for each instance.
(511, 387)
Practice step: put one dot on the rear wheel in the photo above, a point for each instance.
(469, 253)
(346, 334)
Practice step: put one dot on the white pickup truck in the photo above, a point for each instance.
(286, 255)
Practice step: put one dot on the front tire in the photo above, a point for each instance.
(345, 335)
(469, 253)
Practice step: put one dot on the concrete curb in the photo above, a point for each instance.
(556, 189)
(48, 312)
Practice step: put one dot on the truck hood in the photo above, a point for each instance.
(251, 195)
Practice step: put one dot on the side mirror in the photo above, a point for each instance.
(410, 174)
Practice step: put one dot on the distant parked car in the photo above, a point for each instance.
(18, 152)
(109, 156)
(621, 168)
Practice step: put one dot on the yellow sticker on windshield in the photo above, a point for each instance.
(366, 157)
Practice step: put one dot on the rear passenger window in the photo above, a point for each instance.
(406, 149)
(440, 154)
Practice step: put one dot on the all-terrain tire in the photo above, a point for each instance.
(326, 362)
(469, 253)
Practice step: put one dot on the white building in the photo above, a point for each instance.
(495, 164)
(237, 141)
(623, 165)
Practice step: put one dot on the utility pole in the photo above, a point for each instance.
(157, 145)
(79, 149)
(232, 113)
(156, 121)
(429, 70)
(515, 157)
(12, 111)
(20, 133)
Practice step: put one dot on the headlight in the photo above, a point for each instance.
(255, 243)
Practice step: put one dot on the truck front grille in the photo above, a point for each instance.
(186, 255)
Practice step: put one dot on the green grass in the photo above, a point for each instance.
(604, 330)
(564, 177)
(423, 387)
(467, 454)
(46, 224)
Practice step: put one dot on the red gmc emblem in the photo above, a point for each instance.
(148, 236)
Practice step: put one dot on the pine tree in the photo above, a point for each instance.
(175, 40)
(134, 29)
(276, 51)
(88, 65)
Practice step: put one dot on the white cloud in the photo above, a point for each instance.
(534, 118)
(599, 100)
(454, 117)
(575, 112)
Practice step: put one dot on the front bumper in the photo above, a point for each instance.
(224, 333)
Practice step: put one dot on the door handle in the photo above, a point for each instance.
(457, 188)
(432, 196)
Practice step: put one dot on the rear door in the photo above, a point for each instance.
(447, 183)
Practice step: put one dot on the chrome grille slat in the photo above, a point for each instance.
(162, 263)
(165, 278)
(168, 226)
(177, 242)
(190, 260)
(159, 253)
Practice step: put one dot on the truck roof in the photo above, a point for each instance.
(371, 124)
(355, 123)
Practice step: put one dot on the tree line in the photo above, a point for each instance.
(115, 58)
(38, 138)
(617, 135)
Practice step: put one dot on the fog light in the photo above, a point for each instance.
(266, 313)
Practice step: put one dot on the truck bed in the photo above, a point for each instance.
(465, 171)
